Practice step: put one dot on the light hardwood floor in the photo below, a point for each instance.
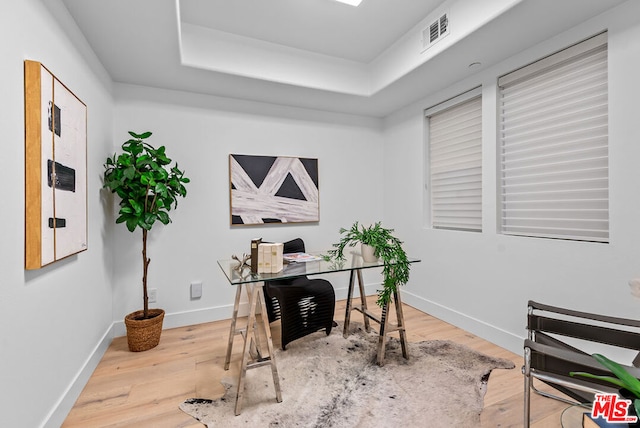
(144, 389)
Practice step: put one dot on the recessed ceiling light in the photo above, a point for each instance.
(351, 2)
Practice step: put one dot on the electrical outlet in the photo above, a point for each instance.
(196, 290)
(152, 294)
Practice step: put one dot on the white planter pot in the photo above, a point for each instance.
(368, 253)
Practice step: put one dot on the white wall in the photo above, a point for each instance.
(482, 281)
(200, 132)
(52, 319)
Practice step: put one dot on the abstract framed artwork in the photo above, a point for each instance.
(273, 189)
(55, 169)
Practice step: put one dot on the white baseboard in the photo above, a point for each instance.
(481, 329)
(185, 318)
(62, 408)
(199, 316)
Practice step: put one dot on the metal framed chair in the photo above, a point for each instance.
(552, 351)
(303, 305)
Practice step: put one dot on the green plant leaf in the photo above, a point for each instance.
(129, 173)
(630, 382)
(131, 222)
(622, 379)
(142, 136)
(164, 217)
(148, 220)
(143, 160)
(137, 206)
(123, 160)
(612, 380)
(162, 189)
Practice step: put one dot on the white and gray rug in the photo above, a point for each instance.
(329, 381)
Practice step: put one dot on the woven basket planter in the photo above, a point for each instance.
(144, 334)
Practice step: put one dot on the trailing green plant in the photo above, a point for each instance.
(148, 187)
(622, 379)
(387, 247)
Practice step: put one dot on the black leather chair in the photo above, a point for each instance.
(303, 305)
(552, 351)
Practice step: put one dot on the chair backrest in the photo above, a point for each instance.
(545, 319)
(273, 306)
(294, 246)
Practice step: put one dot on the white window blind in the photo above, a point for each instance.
(455, 163)
(554, 145)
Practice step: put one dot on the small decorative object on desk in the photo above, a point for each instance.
(301, 258)
(254, 254)
(270, 257)
(242, 263)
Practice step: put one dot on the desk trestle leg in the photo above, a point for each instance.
(401, 327)
(363, 301)
(233, 331)
(251, 354)
(349, 308)
(385, 326)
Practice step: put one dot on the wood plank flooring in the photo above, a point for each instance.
(144, 389)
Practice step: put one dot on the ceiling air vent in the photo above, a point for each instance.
(436, 31)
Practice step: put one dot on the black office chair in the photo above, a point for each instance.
(303, 305)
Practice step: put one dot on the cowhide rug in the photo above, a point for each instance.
(330, 381)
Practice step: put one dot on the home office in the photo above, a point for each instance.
(371, 151)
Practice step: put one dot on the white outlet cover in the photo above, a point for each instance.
(196, 290)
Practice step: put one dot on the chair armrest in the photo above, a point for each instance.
(564, 354)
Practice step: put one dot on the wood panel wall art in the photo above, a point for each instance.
(55, 169)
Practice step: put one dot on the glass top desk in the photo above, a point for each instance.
(252, 357)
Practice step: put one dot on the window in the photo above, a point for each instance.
(455, 162)
(554, 145)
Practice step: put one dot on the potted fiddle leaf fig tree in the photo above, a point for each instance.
(148, 187)
(384, 246)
